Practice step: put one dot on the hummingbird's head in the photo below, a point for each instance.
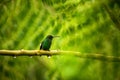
(51, 36)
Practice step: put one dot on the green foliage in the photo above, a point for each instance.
(83, 25)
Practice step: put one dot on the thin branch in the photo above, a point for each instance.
(112, 16)
(57, 52)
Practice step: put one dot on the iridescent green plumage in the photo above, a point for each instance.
(46, 43)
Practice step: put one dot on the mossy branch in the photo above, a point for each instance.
(57, 52)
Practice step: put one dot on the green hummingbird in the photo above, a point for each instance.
(46, 43)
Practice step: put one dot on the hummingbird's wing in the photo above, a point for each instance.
(41, 45)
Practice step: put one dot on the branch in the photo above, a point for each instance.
(57, 52)
(113, 16)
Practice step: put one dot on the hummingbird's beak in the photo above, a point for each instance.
(56, 36)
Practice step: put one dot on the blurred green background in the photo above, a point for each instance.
(87, 26)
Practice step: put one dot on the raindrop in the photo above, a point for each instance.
(30, 56)
(14, 56)
(49, 56)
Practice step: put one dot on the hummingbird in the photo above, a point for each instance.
(46, 43)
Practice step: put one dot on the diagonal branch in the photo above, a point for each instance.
(57, 52)
(112, 15)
